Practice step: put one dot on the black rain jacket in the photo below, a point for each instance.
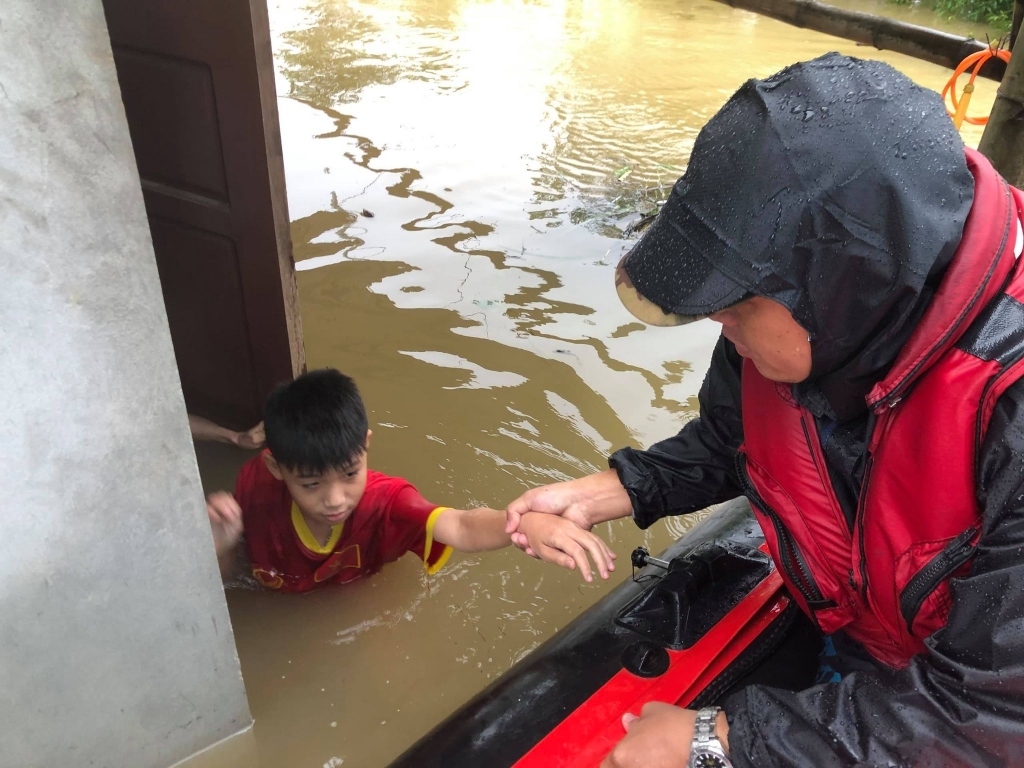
(961, 703)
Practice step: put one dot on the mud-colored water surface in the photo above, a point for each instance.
(460, 174)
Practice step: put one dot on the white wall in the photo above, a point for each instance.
(115, 643)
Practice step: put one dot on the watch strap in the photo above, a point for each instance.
(704, 728)
(705, 740)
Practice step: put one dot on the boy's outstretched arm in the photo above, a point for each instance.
(552, 538)
(471, 530)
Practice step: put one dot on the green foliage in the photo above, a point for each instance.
(995, 13)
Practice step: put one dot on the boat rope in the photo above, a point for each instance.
(974, 62)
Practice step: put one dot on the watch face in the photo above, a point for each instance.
(707, 760)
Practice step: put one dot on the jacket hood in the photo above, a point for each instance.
(836, 187)
(880, 191)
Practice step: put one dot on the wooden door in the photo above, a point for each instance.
(197, 81)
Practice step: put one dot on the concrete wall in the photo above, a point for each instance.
(115, 643)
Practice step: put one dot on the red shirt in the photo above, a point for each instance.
(390, 520)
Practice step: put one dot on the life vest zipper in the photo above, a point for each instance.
(878, 425)
(792, 561)
(826, 481)
(928, 579)
(859, 521)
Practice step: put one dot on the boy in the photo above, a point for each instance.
(312, 512)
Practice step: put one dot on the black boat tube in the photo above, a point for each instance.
(503, 722)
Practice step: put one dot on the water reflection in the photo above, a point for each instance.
(552, 120)
(460, 175)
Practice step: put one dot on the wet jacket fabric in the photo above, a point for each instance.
(884, 579)
(960, 701)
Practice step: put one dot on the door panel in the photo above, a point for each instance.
(197, 83)
(171, 107)
(206, 269)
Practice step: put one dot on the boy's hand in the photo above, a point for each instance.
(559, 541)
(225, 520)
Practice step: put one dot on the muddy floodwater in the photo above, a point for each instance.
(460, 176)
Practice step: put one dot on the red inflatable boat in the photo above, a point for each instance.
(707, 618)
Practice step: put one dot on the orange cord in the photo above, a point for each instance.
(974, 62)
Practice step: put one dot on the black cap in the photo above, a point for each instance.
(811, 152)
(665, 279)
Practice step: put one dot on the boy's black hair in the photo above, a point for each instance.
(316, 423)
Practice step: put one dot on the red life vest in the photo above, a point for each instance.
(886, 581)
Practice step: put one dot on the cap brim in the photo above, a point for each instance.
(679, 270)
(643, 309)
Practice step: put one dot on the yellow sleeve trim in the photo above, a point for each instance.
(429, 545)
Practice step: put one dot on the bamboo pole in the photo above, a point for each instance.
(884, 34)
(1018, 19)
(1003, 140)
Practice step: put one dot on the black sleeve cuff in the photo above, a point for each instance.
(648, 507)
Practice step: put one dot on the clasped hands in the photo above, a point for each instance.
(585, 502)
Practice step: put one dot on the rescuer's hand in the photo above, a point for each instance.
(556, 540)
(204, 429)
(586, 502)
(251, 439)
(661, 737)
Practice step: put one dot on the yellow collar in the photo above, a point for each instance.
(308, 539)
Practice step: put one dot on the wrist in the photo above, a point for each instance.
(709, 747)
(226, 542)
(607, 498)
(722, 730)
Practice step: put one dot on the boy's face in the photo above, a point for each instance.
(328, 498)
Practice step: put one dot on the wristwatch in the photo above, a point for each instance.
(706, 750)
